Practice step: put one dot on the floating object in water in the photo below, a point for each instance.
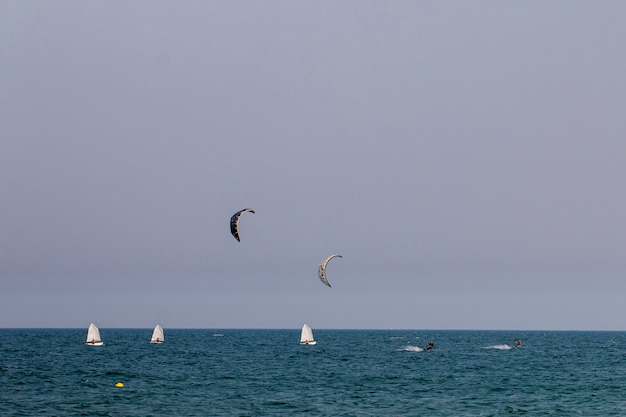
(119, 385)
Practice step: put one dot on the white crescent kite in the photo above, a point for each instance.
(321, 269)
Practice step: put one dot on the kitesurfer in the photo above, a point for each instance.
(518, 344)
(429, 345)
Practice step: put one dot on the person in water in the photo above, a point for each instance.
(429, 345)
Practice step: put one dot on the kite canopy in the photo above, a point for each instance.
(321, 269)
(234, 222)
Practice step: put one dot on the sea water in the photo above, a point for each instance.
(207, 372)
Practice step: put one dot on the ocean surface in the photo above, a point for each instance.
(209, 372)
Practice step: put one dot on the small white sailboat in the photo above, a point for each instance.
(157, 335)
(306, 337)
(93, 336)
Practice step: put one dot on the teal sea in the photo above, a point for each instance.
(209, 372)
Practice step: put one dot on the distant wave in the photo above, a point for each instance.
(412, 349)
(499, 347)
(218, 335)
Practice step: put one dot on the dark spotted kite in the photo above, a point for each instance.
(234, 222)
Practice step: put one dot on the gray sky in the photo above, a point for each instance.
(467, 159)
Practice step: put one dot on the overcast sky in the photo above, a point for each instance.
(467, 159)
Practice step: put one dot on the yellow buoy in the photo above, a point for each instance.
(119, 385)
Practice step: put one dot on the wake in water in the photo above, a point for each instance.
(499, 347)
(412, 349)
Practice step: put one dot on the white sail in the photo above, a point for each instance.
(93, 336)
(306, 337)
(157, 335)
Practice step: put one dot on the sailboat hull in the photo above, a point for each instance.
(94, 343)
(308, 343)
